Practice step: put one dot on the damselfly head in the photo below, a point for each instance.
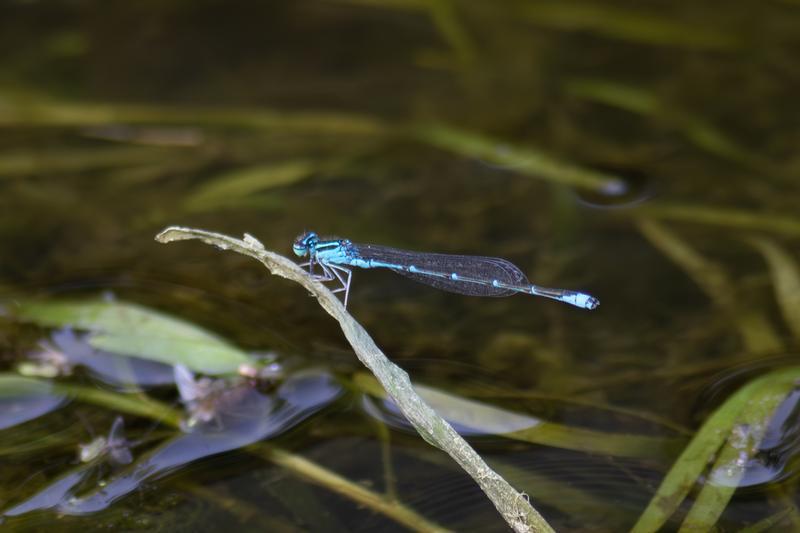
(305, 243)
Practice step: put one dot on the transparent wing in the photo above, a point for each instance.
(467, 267)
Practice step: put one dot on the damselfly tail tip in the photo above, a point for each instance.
(582, 300)
(591, 303)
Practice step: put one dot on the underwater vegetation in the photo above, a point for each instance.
(645, 154)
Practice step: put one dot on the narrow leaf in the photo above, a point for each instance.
(230, 188)
(785, 280)
(703, 449)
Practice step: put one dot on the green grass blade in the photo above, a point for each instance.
(742, 444)
(755, 329)
(230, 188)
(720, 217)
(785, 280)
(626, 24)
(29, 109)
(704, 447)
(695, 129)
(527, 161)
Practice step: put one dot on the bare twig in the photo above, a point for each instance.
(512, 505)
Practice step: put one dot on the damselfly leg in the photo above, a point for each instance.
(331, 273)
(341, 273)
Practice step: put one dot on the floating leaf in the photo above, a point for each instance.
(135, 330)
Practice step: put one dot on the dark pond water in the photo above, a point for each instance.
(646, 154)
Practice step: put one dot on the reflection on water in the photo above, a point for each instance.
(766, 454)
(115, 448)
(68, 349)
(241, 416)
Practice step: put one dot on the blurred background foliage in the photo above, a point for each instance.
(644, 152)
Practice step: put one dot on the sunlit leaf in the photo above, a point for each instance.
(135, 330)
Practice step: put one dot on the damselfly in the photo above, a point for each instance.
(463, 274)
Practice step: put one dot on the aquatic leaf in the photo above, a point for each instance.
(137, 405)
(307, 508)
(626, 24)
(526, 160)
(29, 440)
(788, 515)
(742, 407)
(709, 276)
(473, 418)
(23, 399)
(788, 225)
(755, 329)
(32, 109)
(703, 134)
(228, 189)
(131, 329)
(75, 160)
(785, 280)
(444, 15)
(743, 443)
